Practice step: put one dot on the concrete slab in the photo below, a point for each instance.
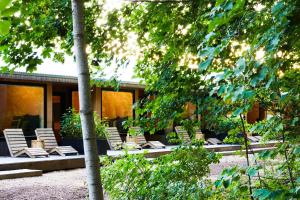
(20, 173)
(253, 151)
(225, 149)
(53, 163)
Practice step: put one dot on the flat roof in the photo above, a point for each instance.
(50, 78)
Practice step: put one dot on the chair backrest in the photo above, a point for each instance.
(15, 140)
(140, 137)
(47, 135)
(182, 133)
(113, 137)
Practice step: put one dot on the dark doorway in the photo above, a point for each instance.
(59, 107)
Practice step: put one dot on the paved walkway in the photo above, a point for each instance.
(71, 185)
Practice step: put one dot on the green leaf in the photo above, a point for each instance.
(209, 36)
(9, 11)
(248, 94)
(4, 4)
(295, 120)
(226, 183)
(238, 111)
(228, 5)
(261, 194)
(269, 82)
(251, 171)
(208, 51)
(277, 7)
(283, 96)
(4, 27)
(221, 90)
(218, 183)
(267, 154)
(237, 93)
(279, 127)
(241, 65)
(262, 74)
(253, 81)
(297, 151)
(243, 188)
(204, 65)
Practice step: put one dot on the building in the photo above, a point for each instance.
(30, 101)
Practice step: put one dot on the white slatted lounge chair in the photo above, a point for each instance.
(115, 142)
(214, 141)
(253, 139)
(51, 146)
(182, 134)
(198, 131)
(144, 143)
(18, 147)
(258, 137)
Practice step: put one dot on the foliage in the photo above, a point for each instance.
(191, 126)
(223, 124)
(231, 184)
(223, 56)
(128, 124)
(71, 125)
(235, 134)
(173, 138)
(5, 12)
(269, 175)
(179, 175)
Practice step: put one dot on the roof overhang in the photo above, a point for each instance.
(49, 78)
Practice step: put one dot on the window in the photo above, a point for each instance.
(21, 107)
(116, 105)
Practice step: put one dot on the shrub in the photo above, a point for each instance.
(71, 125)
(178, 175)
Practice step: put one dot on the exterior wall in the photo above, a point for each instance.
(63, 92)
(49, 106)
(136, 98)
(256, 114)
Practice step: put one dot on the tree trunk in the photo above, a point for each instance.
(86, 112)
(247, 154)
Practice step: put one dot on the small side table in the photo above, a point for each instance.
(37, 144)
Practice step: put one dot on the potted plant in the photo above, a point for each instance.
(133, 134)
(72, 135)
(133, 131)
(193, 128)
(199, 135)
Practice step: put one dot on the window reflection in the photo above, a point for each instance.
(21, 107)
(116, 104)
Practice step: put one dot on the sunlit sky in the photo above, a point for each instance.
(68, 68)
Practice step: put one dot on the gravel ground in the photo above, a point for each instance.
(64, 185)
(71, 185)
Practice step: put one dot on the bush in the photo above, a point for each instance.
(269, 180)
(71, 125)
(178, 175)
